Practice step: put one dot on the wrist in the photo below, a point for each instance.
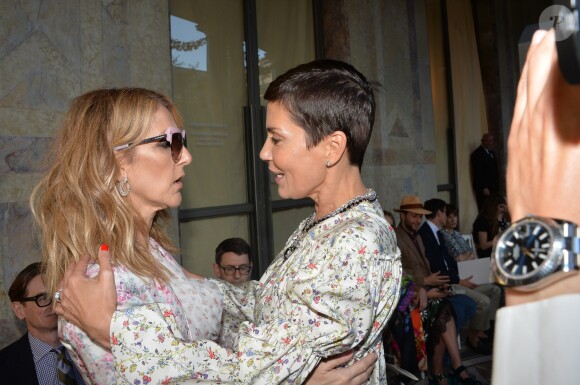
(537, 258)
(569, 284)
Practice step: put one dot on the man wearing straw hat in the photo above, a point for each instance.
(415, 262)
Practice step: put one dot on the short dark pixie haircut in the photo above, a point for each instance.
(18, 290)
(324, 96)
(233, 245)
(434, 205)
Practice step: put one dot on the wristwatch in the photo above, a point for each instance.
(535, 252)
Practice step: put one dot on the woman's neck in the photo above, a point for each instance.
(326, 205)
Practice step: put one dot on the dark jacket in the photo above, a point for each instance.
(437, 254)
(484, 171)
(17, 363)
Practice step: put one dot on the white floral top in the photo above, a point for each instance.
(334, 293)
(191, 309)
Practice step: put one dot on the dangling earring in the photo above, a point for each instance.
(327, 163)
(123, 187)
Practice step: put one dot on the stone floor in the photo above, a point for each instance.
(477, 364)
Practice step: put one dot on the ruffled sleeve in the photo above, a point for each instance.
(239, 302)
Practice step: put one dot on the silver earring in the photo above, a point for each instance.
(123, 187)
(327, 163)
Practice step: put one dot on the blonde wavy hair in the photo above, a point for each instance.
(77, 205)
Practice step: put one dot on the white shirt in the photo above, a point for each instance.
(538, 343)
(435, 230)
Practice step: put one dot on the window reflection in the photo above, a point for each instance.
(188, 45)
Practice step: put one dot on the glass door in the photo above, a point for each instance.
(224, 54)
(286, 39)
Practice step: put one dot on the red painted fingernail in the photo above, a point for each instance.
(105, 247)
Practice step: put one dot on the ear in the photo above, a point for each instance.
(18, 309)
(122, 163)
(122, 172)
(336, 143)
(216, 271)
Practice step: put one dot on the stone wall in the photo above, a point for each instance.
(51, 52)
(388, 42)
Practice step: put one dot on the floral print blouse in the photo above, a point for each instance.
(334, 293)
(191, 309)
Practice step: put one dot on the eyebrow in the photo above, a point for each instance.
(34, 295)
(243, 264)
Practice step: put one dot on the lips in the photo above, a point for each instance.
(277, 174)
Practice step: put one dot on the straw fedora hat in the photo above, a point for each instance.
(412, 204)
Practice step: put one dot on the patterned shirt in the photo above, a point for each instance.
(456, 244)
(334, 293)
(190, 309)
(45, 362)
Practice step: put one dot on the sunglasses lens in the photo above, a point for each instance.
(176, 146)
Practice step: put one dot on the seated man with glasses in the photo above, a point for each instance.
(232, 261)
(38, 357)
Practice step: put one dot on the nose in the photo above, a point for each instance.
(185, 157)
(266, 151)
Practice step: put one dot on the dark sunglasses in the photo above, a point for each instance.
(41, 300)
(173, 136)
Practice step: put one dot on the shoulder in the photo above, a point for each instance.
(424, 231)
(366, 227)
(480, 222)
(451, 236)
(477, 151)
(403, 238)
(401, 233)
(14, 351)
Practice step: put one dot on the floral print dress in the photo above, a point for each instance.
(334, 293)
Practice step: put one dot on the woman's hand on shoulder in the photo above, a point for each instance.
(89, 303)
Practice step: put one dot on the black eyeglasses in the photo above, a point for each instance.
(173, 136)
(231, 270)
(42, 300)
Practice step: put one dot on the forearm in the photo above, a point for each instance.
(146, 342)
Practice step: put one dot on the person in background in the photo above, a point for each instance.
(491, 221)
(334, 285)
(390, 218)
(457, 246)
(437, 314)
(537, 333)
(232, 261)
(38, 357)
(487, 295)
(484, 170)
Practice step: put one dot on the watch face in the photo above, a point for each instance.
(526, 252)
